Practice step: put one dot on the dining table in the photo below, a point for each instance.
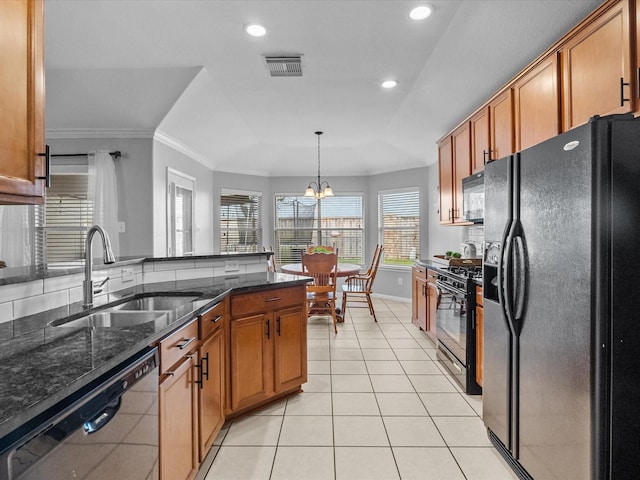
(344, 270)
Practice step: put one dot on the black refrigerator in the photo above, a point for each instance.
(561, 391)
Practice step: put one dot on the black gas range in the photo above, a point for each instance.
(456, 323)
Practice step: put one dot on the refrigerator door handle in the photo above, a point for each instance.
(520, 277)
(506, 271)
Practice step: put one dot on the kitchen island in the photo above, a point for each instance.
(41, 365)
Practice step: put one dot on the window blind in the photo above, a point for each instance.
(399, 225)
(240, 221)
(63, 221)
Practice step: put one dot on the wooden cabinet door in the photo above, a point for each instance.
(597, 76)
(178, 422)
(479, 344)
(419, 317)
(290, 348)
(537, 107)
(461, 139)
(432, 303)
(445, 165)
(479, 335)
(250, 357)
(22, 100)
(211, 391)
(502, 128)
(480, 140)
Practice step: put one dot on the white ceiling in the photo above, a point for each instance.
(186, 70)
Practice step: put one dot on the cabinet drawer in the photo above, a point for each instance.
(178, 344)
(479, 295)
(420, 272)
(211, 320)
(432, 276)
(248, 303)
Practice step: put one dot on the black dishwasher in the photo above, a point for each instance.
(108, 430)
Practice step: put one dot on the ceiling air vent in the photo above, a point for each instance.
(284, 66)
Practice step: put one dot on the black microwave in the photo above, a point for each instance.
(473, 198)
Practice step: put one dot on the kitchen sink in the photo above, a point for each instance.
(111, 319)
(158, 302)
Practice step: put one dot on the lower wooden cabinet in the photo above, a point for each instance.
(268, 350)
(424, 300)
(419, 297)
(210, 391)
(178, 408)
(479, 335)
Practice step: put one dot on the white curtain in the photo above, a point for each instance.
(16, 235)
(103, 192)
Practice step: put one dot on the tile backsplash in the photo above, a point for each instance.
(19, 300)
(475, 234)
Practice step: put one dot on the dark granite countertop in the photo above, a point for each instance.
(42, 365)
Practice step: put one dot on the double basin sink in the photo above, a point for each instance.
(129, 312)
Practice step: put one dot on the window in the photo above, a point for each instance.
(399, 225)
(63, 221)
(240, 221)
(303, 221)
(180, 201)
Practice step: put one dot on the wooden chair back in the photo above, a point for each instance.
(323, 268)
(271, 259)
(321, 249)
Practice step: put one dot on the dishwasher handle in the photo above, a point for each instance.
(103, 417)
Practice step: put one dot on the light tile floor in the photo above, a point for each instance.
(378, 405)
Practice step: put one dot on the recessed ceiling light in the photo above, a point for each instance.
(389, 84)
(421, 12)
(255, 30)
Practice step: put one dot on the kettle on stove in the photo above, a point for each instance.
(468, 250)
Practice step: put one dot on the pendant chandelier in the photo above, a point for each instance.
(318, 189)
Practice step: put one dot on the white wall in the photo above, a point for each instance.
(166, 157)
(134, 182)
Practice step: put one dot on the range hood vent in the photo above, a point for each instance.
(284, 66)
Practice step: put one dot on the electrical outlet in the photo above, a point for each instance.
(127, 275)
(232, 266)
(399, 280)
(122, 228)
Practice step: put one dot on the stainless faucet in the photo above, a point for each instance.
(87, 285)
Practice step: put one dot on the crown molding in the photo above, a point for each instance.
(182, 148)
(55, 133)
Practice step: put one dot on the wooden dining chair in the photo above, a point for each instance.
(271, 259)
(358, 288)
(321, 293)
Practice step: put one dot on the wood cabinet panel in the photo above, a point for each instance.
(211, 320)
(537, 108)
(255, 302)
(251, 379)
(596, 67)
(480, 140)
(419, 306)
(461, 166)
(445, 165)
(22, 99)
(178, 422)
(502, 127)
(432, 303)
(290, 349)
(211, 391)
(635, 74)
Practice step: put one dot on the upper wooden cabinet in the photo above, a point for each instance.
(597, 74)
(454, 165)
(22, 100)
(445, 170)
(537, 105)
(480, 140)
(501, 120)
